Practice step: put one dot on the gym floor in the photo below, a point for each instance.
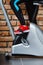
(19, 61)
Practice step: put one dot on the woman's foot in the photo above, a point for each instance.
(22, 29)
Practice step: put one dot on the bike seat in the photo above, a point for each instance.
(38, 2)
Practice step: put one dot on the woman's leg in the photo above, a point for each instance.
(32, 11)
(17, 10)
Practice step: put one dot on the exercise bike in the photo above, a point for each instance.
(34, 37)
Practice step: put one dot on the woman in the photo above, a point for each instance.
(32, 13)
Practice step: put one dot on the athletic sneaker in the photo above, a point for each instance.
(22, 29)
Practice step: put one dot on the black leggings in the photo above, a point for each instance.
(31, 9)
(32, 13)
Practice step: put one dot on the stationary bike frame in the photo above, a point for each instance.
(31, 40)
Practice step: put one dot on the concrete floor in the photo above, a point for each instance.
(24, 61)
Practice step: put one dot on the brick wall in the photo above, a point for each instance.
(5, 36)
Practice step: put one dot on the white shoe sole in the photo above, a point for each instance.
(36, 4)
(21, 32)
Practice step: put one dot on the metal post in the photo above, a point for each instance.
(7, 19)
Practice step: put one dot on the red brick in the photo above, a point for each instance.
(26, 17)
(24, 12)
(40, 7)
(16, 27)
(18, 23)
(2, 28)
(40, 22)
(22, 6)
(10, 12)
(40, 12)
(2, 44)
(7, 1)
(40, 17)
(4, 33)
(7, 6)
(14, 17)
(2, 17)
(5, 50)
(41, 27)
(13, 22)
(6, 39)
(10, 44)
(2, 23)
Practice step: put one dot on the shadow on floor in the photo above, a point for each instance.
(30, 60)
